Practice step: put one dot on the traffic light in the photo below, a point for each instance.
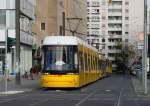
(10, 42)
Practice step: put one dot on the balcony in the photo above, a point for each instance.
(114, 29)
(114, 51)
(27, 8)
(115, 36)
(115, 7)
(111, 44)
(115, 14)
(115, 21)
(111, 58)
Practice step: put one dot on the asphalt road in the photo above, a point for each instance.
(116, 90)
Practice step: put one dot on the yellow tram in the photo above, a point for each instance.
(71, 62)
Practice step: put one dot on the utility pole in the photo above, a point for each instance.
(18, 78)
(145, 47)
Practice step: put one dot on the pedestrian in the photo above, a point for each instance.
(26, 75)
(31, 73)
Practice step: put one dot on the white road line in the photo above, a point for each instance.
(119, 98)
(83, 100)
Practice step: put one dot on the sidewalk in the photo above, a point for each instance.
(138, 87)
(26, 84)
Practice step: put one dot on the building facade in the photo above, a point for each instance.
(7, 27)
(52, 17)
(45, 19)
(108, 24)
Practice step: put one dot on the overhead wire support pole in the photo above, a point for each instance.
(6, 66)
(18, 78)
(145, 47)
(63, 23)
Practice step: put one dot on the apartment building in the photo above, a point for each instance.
(96, 23)
(59, 17)
(112, 25)
(7, 27)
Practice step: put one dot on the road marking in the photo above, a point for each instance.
(119, 98)
(136, 102)
(14, 98)
(38, 102)
(83, 100)
(10, 92)
(56, 99)
(108, 90)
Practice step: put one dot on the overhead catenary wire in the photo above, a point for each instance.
(78, 17)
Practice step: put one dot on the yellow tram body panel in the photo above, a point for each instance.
(60, 81)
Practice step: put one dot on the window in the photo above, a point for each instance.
(127, 11)
(42, 26)
(126, 3)
(126, 32)
(2, 17)
(126, 18)
(103, 40)
(97, 10)
(126, 40)
(11, 18)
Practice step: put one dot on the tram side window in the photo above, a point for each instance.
(92, 62)
(89, 62)
(85, 61)
(81, 61)
(97, 63)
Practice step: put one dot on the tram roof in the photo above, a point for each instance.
(66, 40)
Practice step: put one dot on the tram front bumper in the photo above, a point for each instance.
(60, 81)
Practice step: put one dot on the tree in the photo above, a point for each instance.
(124, 56)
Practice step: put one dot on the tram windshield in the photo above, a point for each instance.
(60, 59)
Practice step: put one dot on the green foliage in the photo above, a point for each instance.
(125, 55)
